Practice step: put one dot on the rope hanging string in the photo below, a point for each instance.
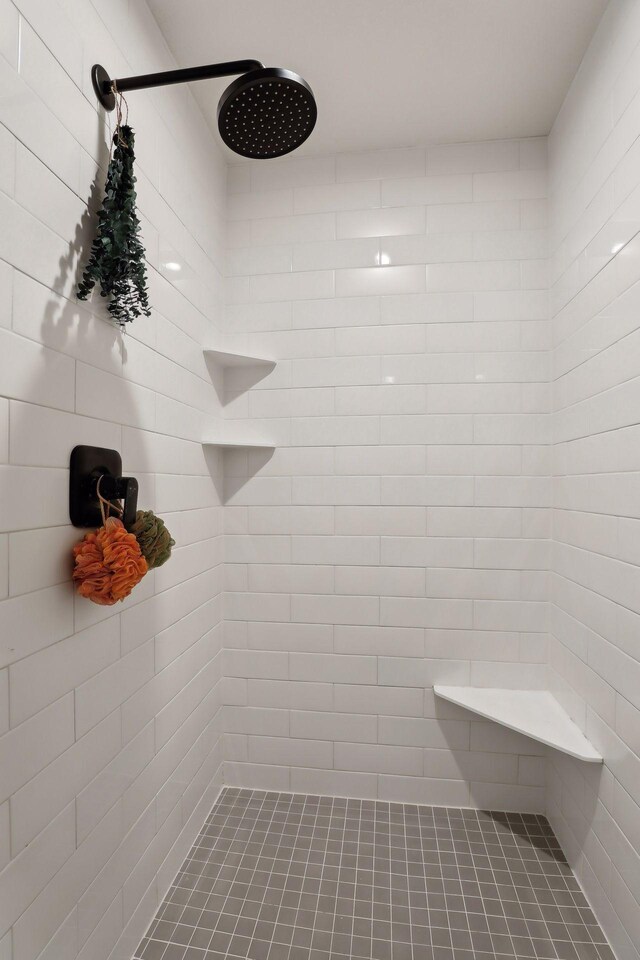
(120, 99)
(108, 503)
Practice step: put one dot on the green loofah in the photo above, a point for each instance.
(154, 538)
(117, 261)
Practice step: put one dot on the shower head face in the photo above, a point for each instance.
(266, 113)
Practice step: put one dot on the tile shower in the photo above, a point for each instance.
(402, 521)
(442, 491)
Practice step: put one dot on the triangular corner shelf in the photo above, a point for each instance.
(238, 444)
(228, 359)
(534, 713)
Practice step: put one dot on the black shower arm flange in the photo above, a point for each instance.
(104, 86)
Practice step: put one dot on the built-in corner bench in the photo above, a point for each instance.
(534, 713)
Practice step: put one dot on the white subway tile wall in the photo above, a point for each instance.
(110, 718)
(594, 155)
(398, 535)
(452, 496)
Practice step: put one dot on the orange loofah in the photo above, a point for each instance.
(108, 563)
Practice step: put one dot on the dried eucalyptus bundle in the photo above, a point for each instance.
(117, 260)
(153, 537)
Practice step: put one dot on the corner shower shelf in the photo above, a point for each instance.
(535, 713)
(238, 359)
(239, 444)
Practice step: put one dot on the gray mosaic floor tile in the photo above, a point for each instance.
(290, 877)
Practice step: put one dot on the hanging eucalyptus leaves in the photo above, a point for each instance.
(117, 260)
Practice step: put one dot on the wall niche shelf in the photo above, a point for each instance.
(225, 359)
(534, 713)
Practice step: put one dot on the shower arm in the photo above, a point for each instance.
(104, 86)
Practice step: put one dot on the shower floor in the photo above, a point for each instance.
(276, 876)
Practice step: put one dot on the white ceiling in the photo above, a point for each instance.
(397, 72)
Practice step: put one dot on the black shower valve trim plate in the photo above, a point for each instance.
(90, 466)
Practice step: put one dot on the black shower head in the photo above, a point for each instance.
(266, 113)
